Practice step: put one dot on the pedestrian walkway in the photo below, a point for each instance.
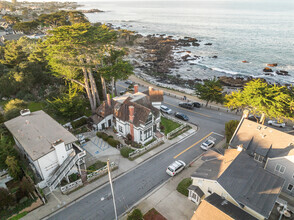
(57, 200)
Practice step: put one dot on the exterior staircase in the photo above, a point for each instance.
(65, 167)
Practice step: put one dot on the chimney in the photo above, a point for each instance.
(136, 88)
(150, 89)
(108, 100)
(131, 118)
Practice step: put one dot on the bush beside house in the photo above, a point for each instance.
(230, 128)
(183, 186)
(125, 151)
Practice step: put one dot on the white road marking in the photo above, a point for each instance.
(218, 134)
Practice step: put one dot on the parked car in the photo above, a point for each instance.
(207, 144)
(129, 82)
(122, 92)
(255, 118)
(276, 123)
(196, 104)
(181, 116)
(187, 105)
(165, 109)
(175, 167)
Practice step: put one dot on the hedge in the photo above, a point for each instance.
(135, 215)
(125, 151)
(112, 142)
(183, 186)
(79, 123)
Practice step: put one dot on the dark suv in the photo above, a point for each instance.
(187, 105)
(196, 104)
(181, 116)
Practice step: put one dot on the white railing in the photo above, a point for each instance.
(101, 171)
(63, 170)
(71, 186)
(141, 150)
(175, 130)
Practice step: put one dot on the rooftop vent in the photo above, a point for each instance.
(225, 202)
(25, 112)
(259, 127)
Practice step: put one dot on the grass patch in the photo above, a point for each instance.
(19, 216)
(168, 125)
(36, 106)
(183, 186)
(135, 215)
(96, 166)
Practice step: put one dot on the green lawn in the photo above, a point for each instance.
(96, 166)
(183, 186)
(35, 106)
(168, 125)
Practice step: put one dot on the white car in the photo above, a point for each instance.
(175, 167)
(276, 123)
(165, 109)
(207, 144)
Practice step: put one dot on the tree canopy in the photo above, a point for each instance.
(210, 91)
(260, 97)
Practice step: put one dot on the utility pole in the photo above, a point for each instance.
(110, 181)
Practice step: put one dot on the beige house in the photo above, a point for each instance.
(239, 179)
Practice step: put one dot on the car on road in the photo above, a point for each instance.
(276, 123)
(207, 144)
(122, 92)
(181, 116)
(175, 167)
(196, 104)
(255, 118)
(165, 109)
(129, 82)
(187, 105)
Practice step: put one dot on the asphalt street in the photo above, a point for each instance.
(139, 182)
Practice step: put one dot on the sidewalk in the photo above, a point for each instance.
(180, 95)
(168, 201)
(57, 200)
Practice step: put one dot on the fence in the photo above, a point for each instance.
(100, 172)
(141, 150)
(71, 186)
(176, 130)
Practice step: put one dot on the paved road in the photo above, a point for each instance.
(139, 182)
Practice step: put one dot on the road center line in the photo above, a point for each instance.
(188, 110)
(192, 145)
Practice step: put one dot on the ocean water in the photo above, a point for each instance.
(258, 31)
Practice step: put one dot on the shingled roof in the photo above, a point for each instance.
(244, 179)
(263, 140)
(155, 95)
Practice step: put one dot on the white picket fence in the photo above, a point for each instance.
(71, 186)
(141, 150)
(183, 124)
(100, 172)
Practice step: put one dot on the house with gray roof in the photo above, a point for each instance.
(132, 114)
(272, 148)
(239, 179)
(50, 149)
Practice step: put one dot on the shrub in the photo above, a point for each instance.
(230, 128)
(99, 134)
(129, 137)
(6, 199)
(79, 123)
(104, 136)
(15, 104)
(135, 144)
(73, 177)
(183, 186)
(112, 142)
(135, 215)
(125, 151)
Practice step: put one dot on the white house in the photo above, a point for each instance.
(50, 149)
(239, 179)
(132, 114)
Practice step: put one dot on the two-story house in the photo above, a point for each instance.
(272, 148)
(239, 179)
(50, 149)
(132, 114)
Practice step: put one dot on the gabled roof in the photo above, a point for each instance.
(216, 207)
(37, 132)
(263, 140)
(243, 178)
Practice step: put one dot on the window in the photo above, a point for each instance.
(290, 187)
(147, 133)
(149, 120)
(280, 168)
(120, 128)
(258, 158)
(68, 147)
(141, 138)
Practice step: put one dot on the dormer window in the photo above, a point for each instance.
(258, 158)
(149, 120)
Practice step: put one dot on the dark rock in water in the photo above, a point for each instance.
(208, 44)
(178, 75)
(195, 44)
(188, 51)
(268, 74)
(272, 64)
(198, 80)
(214, 57)
(282, 73)
(234, 82)
(193, 64)
(185, 58)
(170, 36)
(268, 70)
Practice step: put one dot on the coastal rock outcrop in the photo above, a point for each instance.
(233, 82)
(282, 73)
(267, 70)
(272, 64)
(208, 44)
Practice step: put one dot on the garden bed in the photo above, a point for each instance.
(153, 214)
(168, 125)
(96, 166)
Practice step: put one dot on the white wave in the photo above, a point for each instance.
(225, 71)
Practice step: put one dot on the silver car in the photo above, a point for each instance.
(165, 109)
(175, 167)
(207, 144)
(276, 123)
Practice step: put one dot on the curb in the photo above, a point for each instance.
(118, 176)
